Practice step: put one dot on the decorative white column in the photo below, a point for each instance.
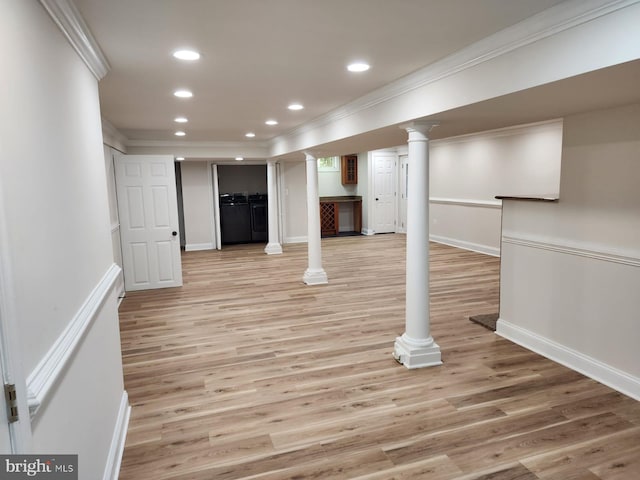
(315, 274)
(416, 348)
(273, 247)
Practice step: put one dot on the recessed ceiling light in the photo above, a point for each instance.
(180, 120)
(358, 67)
(179, 159)
(239, 159)
(183, 94)
(189, 55)
(271, 122)
(250, 135)
(179, 134)
(295, 106)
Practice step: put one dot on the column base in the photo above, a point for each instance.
(415, 355)
(273, 249)
(315, 277)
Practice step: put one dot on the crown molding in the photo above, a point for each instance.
(556, 123)
(547, 23)
(68, 18)
(193, 150)
(183, 144)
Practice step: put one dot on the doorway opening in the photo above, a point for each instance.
(242, 200)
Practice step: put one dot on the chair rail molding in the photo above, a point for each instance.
(48, 371)
(589, 251)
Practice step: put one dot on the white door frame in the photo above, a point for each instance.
(19, 433)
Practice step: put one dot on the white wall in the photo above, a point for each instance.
(467, 172)
(330, 185)
(54, 185)
(294, 201)
(571, 270)
(197, 198)
(250, 179)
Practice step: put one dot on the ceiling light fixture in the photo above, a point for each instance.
(180, 120)
(179, 133)
(250, 135)
(179, 159)
(295, 106)
(188, 55)
(358, 67)
(239, 159)
(183, 94)
(271, 122)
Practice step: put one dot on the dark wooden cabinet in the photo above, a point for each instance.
(329, 219)
(330, 214)
(349, 169)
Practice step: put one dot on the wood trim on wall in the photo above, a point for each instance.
(574, 249)
(114, 458)
(51, 367)
(610, 376)
(474, 247)
(194, 247)
(466, 202)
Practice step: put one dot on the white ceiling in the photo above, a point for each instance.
(260, 55)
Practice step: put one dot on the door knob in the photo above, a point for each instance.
(174, 233)
(377, 199)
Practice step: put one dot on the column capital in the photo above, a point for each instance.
(308, 156)
(272, 161)
(421, 127)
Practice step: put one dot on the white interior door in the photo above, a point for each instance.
(384, 193)
(404, 193)
(149, 229)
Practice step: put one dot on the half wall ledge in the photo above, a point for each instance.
(529, 198)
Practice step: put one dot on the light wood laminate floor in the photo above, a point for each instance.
(245, 372)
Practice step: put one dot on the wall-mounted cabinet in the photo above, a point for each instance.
(349, 169)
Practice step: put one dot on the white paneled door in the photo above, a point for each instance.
(148, 210)
(384, 191)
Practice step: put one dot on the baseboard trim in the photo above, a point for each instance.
(603, 373)
(295, 240)
(368, 231)
(50, 368)
(467, 203)
(474, 247)
(195, 247)
(114, 459)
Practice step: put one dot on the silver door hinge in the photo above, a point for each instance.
(12, 402)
